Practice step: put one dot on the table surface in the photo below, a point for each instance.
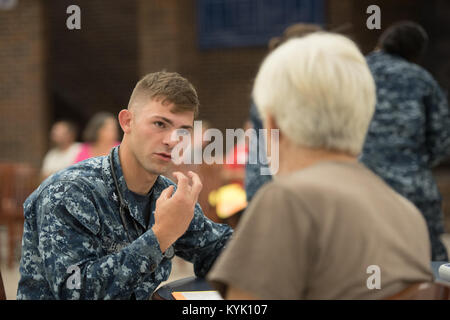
(185, 284)
(200, 284)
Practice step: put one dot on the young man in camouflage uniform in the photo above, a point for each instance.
(107, 228)
(410, 130)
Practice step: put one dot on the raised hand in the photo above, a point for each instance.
(174, 213)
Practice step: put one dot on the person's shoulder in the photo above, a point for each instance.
(375, 55)
(317, 174)
(51, 154)
(84, 150)
(380, 58)
(385, 61)
(279, 189)
(72, 187)
(287, 183)
(83, 170)
(284, 198)
(415, 73)
(418, 72)
(84, 145)
(76, 146)
(82, 174)
(321, 180)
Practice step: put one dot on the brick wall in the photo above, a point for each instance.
(222, 77)
(23, 107)
(48, 72)
(95, 68)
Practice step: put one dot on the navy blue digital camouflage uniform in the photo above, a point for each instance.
(408, 135)
(253, 177)
(73, 219)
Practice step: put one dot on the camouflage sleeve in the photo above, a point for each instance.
(68, 239)
(202, 242)
(438, 125)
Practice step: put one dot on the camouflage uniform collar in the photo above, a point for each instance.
(123, 188)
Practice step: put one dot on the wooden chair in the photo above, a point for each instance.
(424, 291)
(2, 288)
(17, 182)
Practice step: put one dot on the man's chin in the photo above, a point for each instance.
(158, 170)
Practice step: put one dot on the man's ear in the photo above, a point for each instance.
(270, 123)
(125, 117)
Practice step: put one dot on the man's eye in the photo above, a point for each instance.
(159, 124)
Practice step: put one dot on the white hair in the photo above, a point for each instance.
(319, 90)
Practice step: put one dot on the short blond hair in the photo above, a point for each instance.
(168, 86)
(319, 90)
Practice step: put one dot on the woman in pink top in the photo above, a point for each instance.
(100, 135)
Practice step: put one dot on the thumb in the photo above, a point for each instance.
(166, 194)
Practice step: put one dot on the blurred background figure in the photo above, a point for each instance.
(62, 135)
(253, 178)
(410, 130)
(233, 170)
(100, 135)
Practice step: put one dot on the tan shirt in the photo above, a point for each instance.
(317, 233)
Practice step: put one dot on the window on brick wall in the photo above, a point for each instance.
(244, 23)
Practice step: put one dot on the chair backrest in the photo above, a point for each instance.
(18, 181)
(424, 291)
(2, 288)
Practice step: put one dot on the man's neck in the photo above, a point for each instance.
(137, 178)
(296, 158)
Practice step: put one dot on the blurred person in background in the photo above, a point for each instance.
(65, 150)
(253, 178)
(233, 170)
(100, 135)
(410, 129)
(314, 230)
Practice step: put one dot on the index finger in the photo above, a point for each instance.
(196, 184)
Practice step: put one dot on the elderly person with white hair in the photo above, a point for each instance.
(326, 222)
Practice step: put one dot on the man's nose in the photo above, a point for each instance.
(169, 139)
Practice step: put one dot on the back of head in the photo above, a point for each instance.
(70, 125)
(319, 90)
(406, 39)
(90, 133)
(296, 30)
